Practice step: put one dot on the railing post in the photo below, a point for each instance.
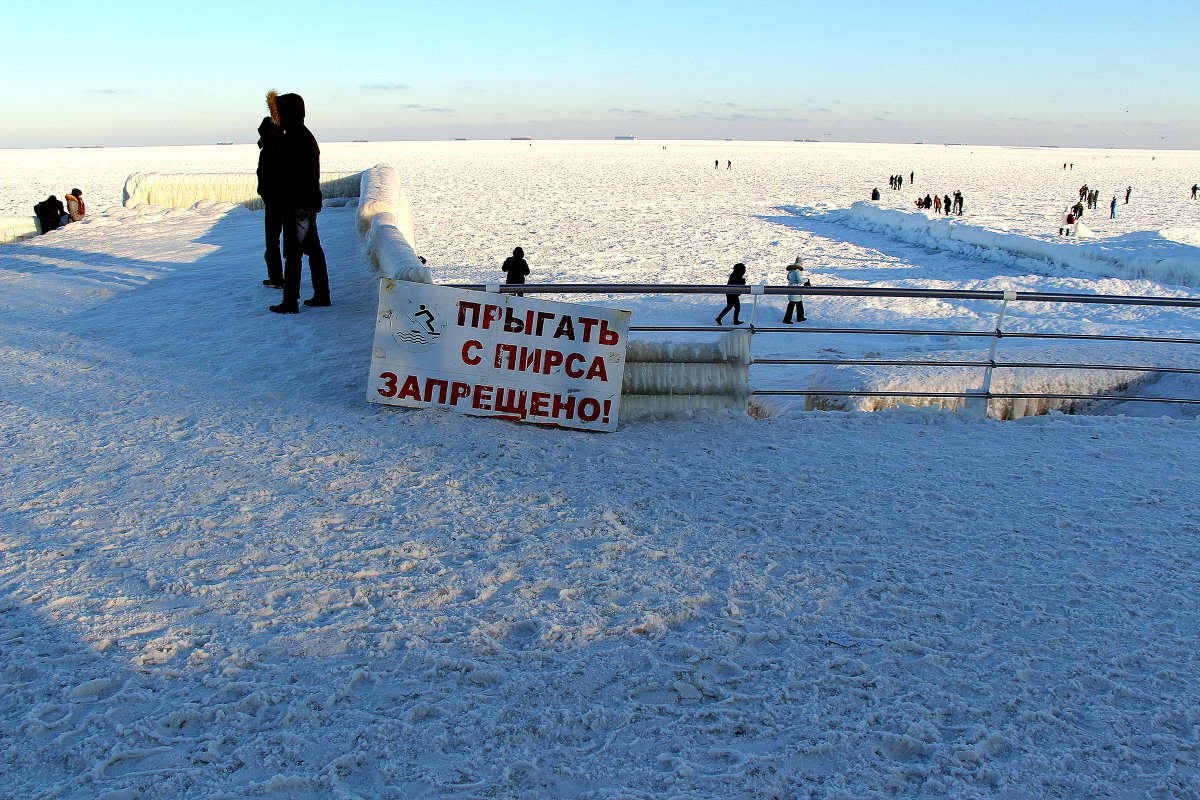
(981, 405)
(755, 291)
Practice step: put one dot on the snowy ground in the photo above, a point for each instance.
(222, 574)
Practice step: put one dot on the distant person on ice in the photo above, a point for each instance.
(1128, 191)
(300, 200)
(270, 145)
(875, 194)
(76, 210)
(515, 268)
(1112, 208)
(1195, 189)
(795, 277)
(733, 302)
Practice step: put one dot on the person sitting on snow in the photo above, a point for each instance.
(75, 207)
(50, 214)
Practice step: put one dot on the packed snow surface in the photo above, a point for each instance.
(222, 574)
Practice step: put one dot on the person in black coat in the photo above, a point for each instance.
(515, 268)
(270, 141)
(50, 213)
(733, 302)
(300, 202)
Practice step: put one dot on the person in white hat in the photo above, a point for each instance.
(795, 277)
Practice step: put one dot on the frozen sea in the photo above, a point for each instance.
(223, 574)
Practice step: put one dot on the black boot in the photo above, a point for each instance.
(286, 307)
(271, 284)
(317, 302)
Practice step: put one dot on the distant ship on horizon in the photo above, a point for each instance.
(520, 138)
(360, 140)
(224, 142)
(626, 138)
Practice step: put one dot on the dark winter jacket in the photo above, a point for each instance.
(299, 157)
(736, 278)
(515, 267)
(50, 213)
(270, 143)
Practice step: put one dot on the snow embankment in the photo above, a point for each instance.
(183, 190)
(1141, 254)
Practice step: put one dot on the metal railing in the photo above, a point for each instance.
(989, 365)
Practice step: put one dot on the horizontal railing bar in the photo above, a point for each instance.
(756, 329)
(998, 364)
(828, 291)
(883, 362)
(977, 395)
(1094, 337)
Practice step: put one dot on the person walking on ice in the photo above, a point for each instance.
(1112, 208)
(733, 302)
(795, 277)
(1128, 191)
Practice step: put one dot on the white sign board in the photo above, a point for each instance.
(498, 355)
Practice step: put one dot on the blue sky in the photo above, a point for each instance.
(1095, 74)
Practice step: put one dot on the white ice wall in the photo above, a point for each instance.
(385, 225)
(13, 229)
(679, 379)
(1144, 254)
(185, 189)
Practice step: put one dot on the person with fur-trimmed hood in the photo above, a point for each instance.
(300, 200)
(76, 210)
(795, 277)
(270, 145)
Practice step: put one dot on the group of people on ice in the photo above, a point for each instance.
(52, 215)
(943, 204)
(1088, 199)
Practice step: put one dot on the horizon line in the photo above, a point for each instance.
(733, 140)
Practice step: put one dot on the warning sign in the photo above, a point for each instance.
(498, 355)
